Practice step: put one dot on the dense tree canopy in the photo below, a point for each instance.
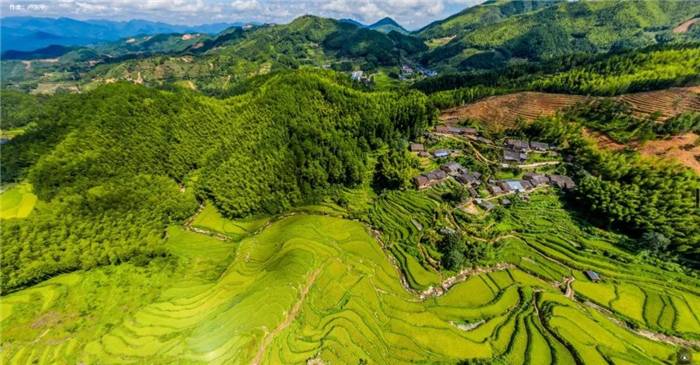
(122, 149)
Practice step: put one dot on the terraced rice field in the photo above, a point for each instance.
(17, 202)
(501, 112)
(311, 287)
(553, 247)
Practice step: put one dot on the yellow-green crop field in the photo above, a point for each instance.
(17, 202)
(316, 287)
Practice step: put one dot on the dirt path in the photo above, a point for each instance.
(463, 275)
(538, 164)
(188, 226)
(685, 26)
(569, 293)
(291, 315)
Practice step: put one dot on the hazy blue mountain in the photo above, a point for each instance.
(31, 33)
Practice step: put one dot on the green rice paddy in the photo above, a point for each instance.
(311, 287)
(17, 202)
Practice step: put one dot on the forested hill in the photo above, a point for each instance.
(469, 19)
(217, 62)
(537, 32)
(110, 161)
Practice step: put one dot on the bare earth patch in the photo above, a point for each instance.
(685, 26)
(682, 149)
(502, 111)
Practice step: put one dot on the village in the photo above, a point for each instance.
(488, 191)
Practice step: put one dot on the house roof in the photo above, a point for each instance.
(421, 180)
(539, 145)
(592, 275)
(509, 155)
(495, 189)
(485, 204)
(516, 143)
(514, 185)
(563, 182)
(441, 153)
(416, 147)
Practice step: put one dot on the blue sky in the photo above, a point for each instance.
(411, 13)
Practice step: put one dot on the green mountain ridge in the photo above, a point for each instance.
(553, 29)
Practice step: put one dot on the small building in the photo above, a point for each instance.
(452, 168)
(592, 276)
(416, 147)
(536, 179)
(436, 175)
(506, 202)
(494, 189)
(470, 131)
(443, 129)
(484, 140)
(562, 182)
(469, 178)
(486, 205)
(512, 156)
(512, 185)
(441, 153)
(539, 146)
(517, 145)
(421, 182)
(357, 75)
(527, 185)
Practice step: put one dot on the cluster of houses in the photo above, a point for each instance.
(471, 179)
(529, 182)
(445, 129)
(420, 150)
(408, 71)
(515, 150)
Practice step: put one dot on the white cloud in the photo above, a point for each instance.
(245, 5)
(411, 13)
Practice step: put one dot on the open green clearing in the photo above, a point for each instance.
(307, 287)
(17, 201)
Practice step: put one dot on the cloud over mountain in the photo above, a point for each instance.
(413, 13)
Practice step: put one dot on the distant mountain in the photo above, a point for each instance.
(30, 33)
(352, 21)
(46, 52)
(387, 25)
(492, 34)
(219, 62)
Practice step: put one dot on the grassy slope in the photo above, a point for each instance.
(317, 287)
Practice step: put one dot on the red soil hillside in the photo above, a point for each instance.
(499, 112)
(668, 102)
(683, 149)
